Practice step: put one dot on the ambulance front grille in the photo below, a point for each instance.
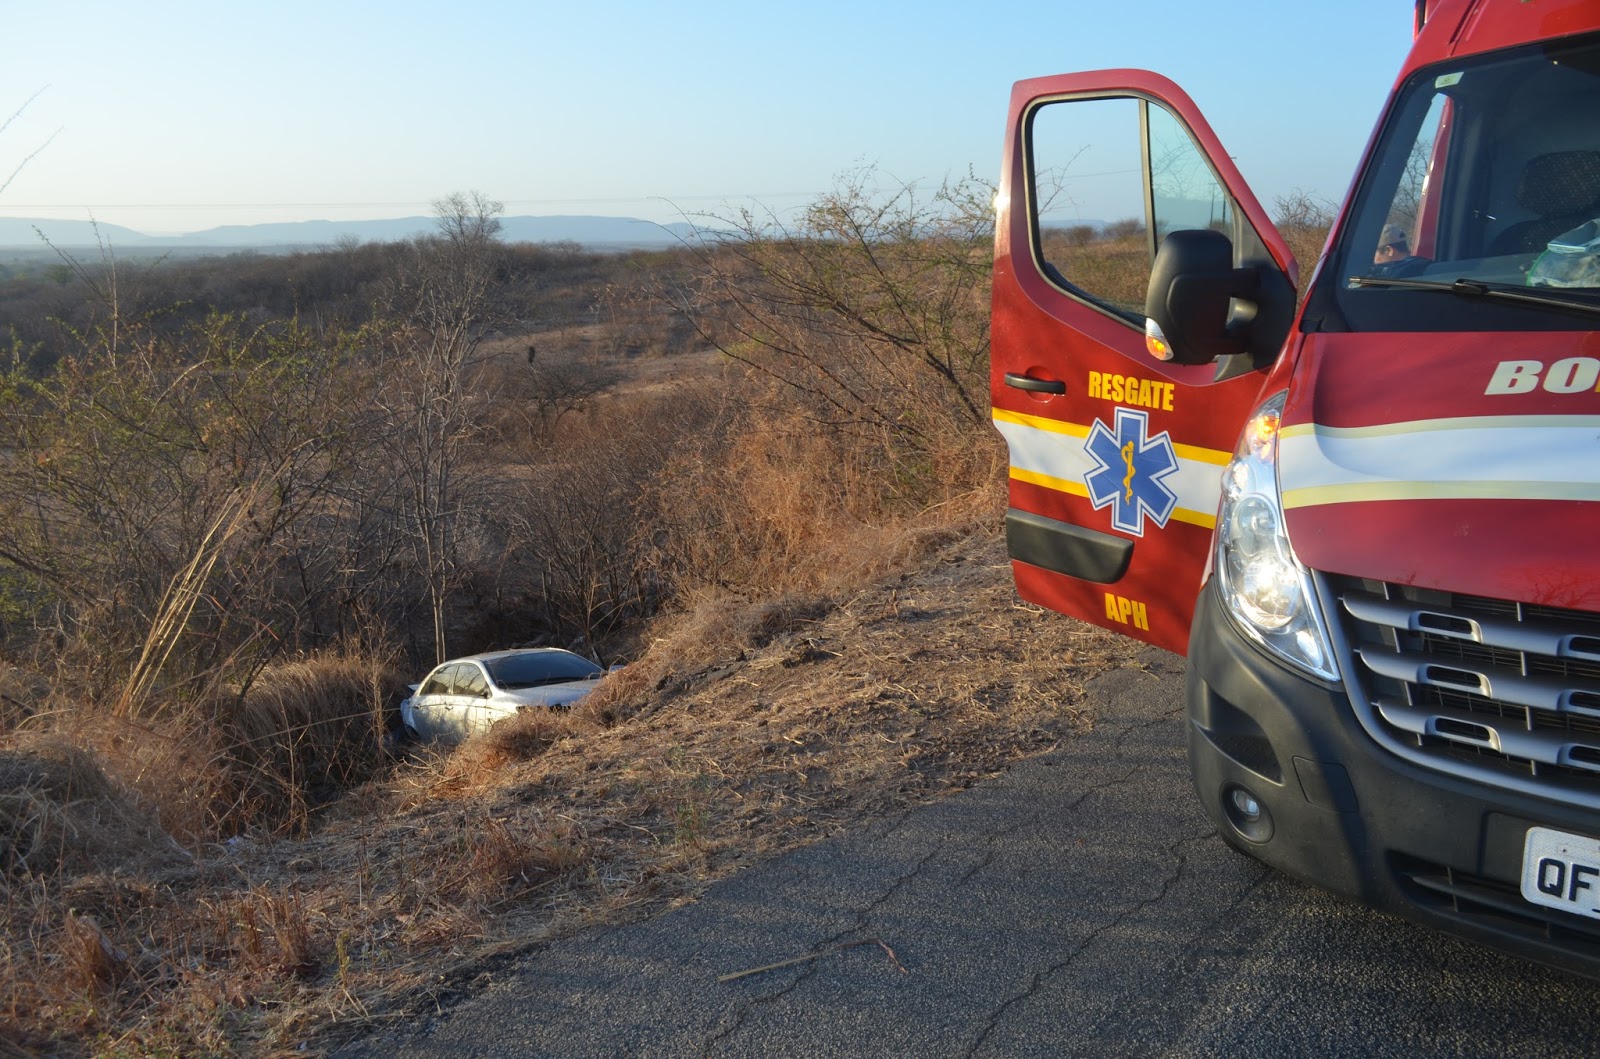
(1483, 688)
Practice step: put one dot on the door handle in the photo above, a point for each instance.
(1032, 385)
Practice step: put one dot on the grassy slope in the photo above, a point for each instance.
(746, 728)
(820, 714)
(796, 719)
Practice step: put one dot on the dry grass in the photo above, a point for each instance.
(746, 728)
(745, 731)
(248, 871)
(302, 732)
(61, 814)
(1114, 270)
(115, 937)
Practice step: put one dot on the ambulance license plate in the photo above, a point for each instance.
(1561, 870)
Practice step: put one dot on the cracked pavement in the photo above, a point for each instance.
(1078, 905)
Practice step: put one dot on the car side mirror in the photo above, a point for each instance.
(1200, 308)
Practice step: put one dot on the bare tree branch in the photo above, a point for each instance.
(32, 154)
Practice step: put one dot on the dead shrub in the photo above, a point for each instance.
(485, 760)
(575, 536)
(536, 394)
(503, 863)
(91, 962)
(175, 765)
(264, 756)
(711, 635)
(22, 695)
(59, 813)
(772, 504)
(616, 697)
(721, 618)
(521, 737)
(1115, 268)
(271, 930)
(763, 508)
(871, 303)
(1303, 219)
(301, 732)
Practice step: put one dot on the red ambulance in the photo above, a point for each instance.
(1372, 520)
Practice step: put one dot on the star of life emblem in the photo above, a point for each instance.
(1130, 470)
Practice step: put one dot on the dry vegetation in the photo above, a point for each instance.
(242, 505)
(745, 729)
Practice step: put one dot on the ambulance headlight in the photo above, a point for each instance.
(1265, 588)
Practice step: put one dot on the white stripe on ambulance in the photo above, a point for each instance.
(1477, 457)
(1050, 453)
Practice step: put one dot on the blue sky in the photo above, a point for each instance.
(177, 116)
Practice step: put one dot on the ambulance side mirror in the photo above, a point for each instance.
(1199, 307)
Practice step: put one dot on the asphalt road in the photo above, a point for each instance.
(1079, 905)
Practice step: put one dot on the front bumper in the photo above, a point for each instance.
(1342, 813)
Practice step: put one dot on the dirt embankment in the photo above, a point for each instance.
(750, 724)
(805, 717)
(822, 714)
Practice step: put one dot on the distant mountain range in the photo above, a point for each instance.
(599, 233)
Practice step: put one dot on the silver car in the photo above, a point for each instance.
(466, 695)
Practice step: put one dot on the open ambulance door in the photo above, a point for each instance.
(1116, 455)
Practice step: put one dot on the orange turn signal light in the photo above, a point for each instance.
(1155, 343)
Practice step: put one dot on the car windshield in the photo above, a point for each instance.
(1485, 186)
(543, 667)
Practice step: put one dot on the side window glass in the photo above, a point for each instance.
(1108, 179)
(1185, 192)
(1087, 195)
(472, 682)
(1404, 240)
(1413, 191)
(438, 682)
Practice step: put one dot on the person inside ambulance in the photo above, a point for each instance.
(1393, 258)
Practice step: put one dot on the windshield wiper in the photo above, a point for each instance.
(1476, 288)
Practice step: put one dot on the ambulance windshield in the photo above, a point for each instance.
(1487, 178)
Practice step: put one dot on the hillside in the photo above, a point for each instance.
(798, 718)
(816, 715)
(263, 493)
(605, 233)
